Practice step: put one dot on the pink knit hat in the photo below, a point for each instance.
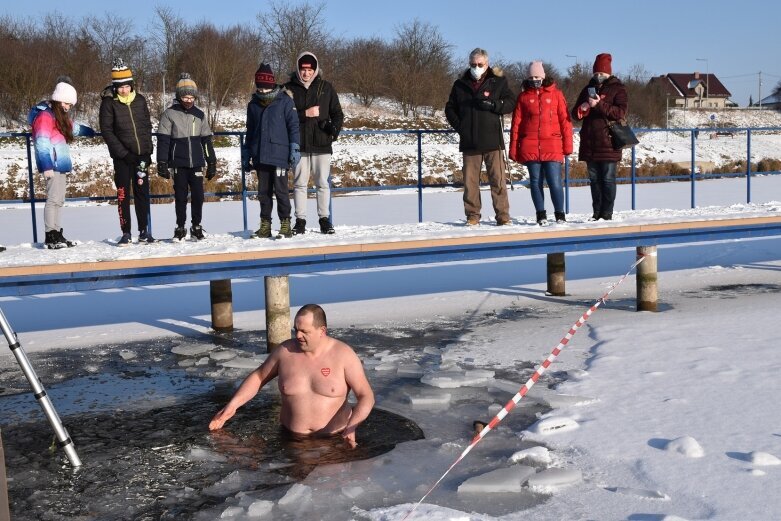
(535, 69)
(65, 93)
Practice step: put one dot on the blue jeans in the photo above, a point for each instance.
(551, 170)
(602, 176)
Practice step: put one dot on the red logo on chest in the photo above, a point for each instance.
(486, 93)
(325, 371)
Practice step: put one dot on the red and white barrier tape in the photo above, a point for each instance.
(509, 406)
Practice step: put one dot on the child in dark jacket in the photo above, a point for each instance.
(271, 148)
(184, 147)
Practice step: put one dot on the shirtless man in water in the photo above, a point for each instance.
(315, 374)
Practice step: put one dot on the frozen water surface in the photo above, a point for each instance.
(139, 425)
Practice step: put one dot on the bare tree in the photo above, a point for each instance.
(421, 67)
(218, 60)
(365, 70)
(289, 30)
(167, 38)
(111, 33)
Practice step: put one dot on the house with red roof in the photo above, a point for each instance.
(693, 90)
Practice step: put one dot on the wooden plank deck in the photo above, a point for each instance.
(50, 278)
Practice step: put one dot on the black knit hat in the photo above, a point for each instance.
(264, 77)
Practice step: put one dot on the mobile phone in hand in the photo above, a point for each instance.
(592, 93)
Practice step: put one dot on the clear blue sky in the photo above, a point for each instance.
(738, 39)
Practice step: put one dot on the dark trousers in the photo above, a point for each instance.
(124, 178)
(602, 176)
(188, 180)
(273, 181)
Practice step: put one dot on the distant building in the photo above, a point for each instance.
(770, 102)
(694, 90)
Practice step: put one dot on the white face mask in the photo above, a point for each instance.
(477, 72)
(600, 77)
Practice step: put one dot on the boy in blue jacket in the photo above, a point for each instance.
(271, 148)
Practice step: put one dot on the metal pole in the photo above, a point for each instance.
(63, 438)
(32, 187)
(748, 166)
(634, 176)
(420, 175)
(242, 137)
(692, 175)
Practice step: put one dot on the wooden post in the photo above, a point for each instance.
(5, 513)
(556, 274)
(277, 311)
(646, 279)
(221, 296)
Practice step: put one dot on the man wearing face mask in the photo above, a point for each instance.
(478, 99)
(603, 101)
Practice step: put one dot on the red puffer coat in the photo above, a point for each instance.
(541, 128)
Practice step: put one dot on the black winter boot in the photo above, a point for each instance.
(180, 233)
(561, 217)
(542, 218)
(196, 232)
(300, 227)
(326, 226)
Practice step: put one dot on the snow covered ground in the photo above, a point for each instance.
(662, 416)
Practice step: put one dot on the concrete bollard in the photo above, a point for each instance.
(556, 274)
(277, 311)
(221, 296)
(647, 296)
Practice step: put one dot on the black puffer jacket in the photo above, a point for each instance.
(318, 133)
(125, 128)
(479, 130)
(595, 143)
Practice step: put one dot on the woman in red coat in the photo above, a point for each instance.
(540, 137)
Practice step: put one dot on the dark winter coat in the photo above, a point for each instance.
(270, 130)
(595, 144)
(318, 133)
(184, 139)
(479, 130)
(125, 128)
(541, 128)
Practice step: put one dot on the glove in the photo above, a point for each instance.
(295, 154)
(162, 170)
(48, 174)
(132, 159)
(486, 104)
(211, 170)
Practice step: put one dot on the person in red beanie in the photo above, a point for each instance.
(601, 102)
(540, 137)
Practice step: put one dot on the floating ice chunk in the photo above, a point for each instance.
(127, 354)
(486, 374)
(352, 492)
(757, 472)
(260, 508)
(504, 385)
(192, 349)
(639, 492)
(202, 361)
(386, 366)
(552, 479)
(763, 459)
(453, 379)
(370, 363)
(554, 425)
(297, 495)
(557, 401)
(431, 350)
(686, 446)
(221, 356)
(538, 455)
(201, 454)
(494, 409)
(577, 374)
(424, 399)
(509, 479)
(673, 518)
(231, 512)
(187, 362)
(230, 484)
(410, 370)
(393, 357)
(242, 362)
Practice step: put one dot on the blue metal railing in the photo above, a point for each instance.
(633, 179)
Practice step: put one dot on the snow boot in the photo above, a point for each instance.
(180, 233)
(300, 227)
(52, 241)
(264, 232)
(326, 226)
(196, 232)
(561, 217)
(145, 237)
(542, 218)
(285, 231)
(125, 240)
(63, 240)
